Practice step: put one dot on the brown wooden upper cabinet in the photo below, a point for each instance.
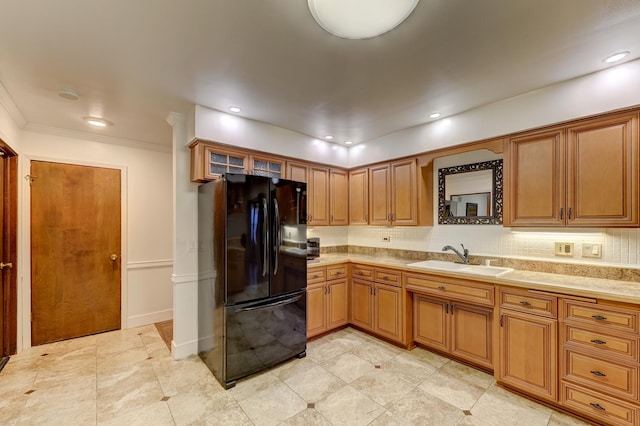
(393, 195)
(359, 197)
(210, 161)
(297, 171)
(318, 196)
(582, 175)
(338, 197)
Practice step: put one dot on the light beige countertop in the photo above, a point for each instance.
(614, 290)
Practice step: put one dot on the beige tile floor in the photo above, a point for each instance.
(128, 377)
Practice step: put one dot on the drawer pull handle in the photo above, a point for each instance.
(316, 276)
(525, 303)
(598, 317)
(599, 374)
(385, 277)
(599, 342)
(360, 273)
(597, 406)
(441, 287)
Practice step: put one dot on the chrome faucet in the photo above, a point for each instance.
(464, 256)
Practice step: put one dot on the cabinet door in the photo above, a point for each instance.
(359, 197)
(362, 304)
(387, 311)
(316, 309)
(338, 304)
(602, 172)
(535, 181)
(339, 197)
(380, 195)
(318, 196)
(529, 354)
(431, 322)
(297, 171)
(267, 166)
(404, 193)
(471, 333)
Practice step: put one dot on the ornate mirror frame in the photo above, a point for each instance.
(496, 202)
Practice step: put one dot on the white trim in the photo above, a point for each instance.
(149, 318)
(185, 278)
(184, 350)
(7, 101)
(150, 264)
(130, 143)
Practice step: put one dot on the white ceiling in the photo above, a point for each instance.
(135, 61)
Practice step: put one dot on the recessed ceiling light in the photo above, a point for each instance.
(435, 115)
(615, 57)
(97, 122)
(234, 109)
(348, 142)
(68, 93)
(329, 137)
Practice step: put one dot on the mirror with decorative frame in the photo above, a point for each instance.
(470, 194)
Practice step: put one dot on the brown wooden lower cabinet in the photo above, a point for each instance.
(327, 302)
(529, 354)
(377, 308)
(464, 331)
(598, 406)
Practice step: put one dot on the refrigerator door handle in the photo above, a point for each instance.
(265, 238)
(276, 231)
(270, 305)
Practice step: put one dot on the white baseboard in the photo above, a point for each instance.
(183, 350)
(150, 318)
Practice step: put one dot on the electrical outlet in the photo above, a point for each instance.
(592, 250)
(386, 239)
(564, 249)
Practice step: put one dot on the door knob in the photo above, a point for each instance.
(6, 265)
(113, 257)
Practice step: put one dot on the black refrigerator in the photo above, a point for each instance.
(252, 274)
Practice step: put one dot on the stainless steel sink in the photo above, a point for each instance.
(441, 265)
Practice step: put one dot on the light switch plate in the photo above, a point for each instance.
(564, 249)
(592, 250)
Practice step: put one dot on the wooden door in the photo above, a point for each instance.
(338, 304)
(529, 354)
(359, 197)
(380, 195)
(8, 251)
(75, 251)
(387, 311)
(297, 171)
(339, 197)
(316, 309)
(602, 172)
(431, 322)
(471, 333)
(362, 304)
(318, 196)
(404, 193)
(535, 180)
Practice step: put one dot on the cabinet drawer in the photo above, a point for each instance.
(602, 343)
(362, 272)
(531, 303)
(612, 377)
(455, 290)
(316, 275)
(335, 272)
(598, 406)
(388, 277)
(599, 315)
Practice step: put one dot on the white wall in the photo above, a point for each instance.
(147, 220)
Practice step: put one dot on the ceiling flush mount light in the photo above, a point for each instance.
(234, 109)
(97, 122)
(329, 137)
(434, 115)
(348, 142)
(68, 93)
(615, 57)
(360, 19)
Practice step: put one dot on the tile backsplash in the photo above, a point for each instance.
(618, 246)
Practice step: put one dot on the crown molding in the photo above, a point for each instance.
(129, 143)
(7, 101)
